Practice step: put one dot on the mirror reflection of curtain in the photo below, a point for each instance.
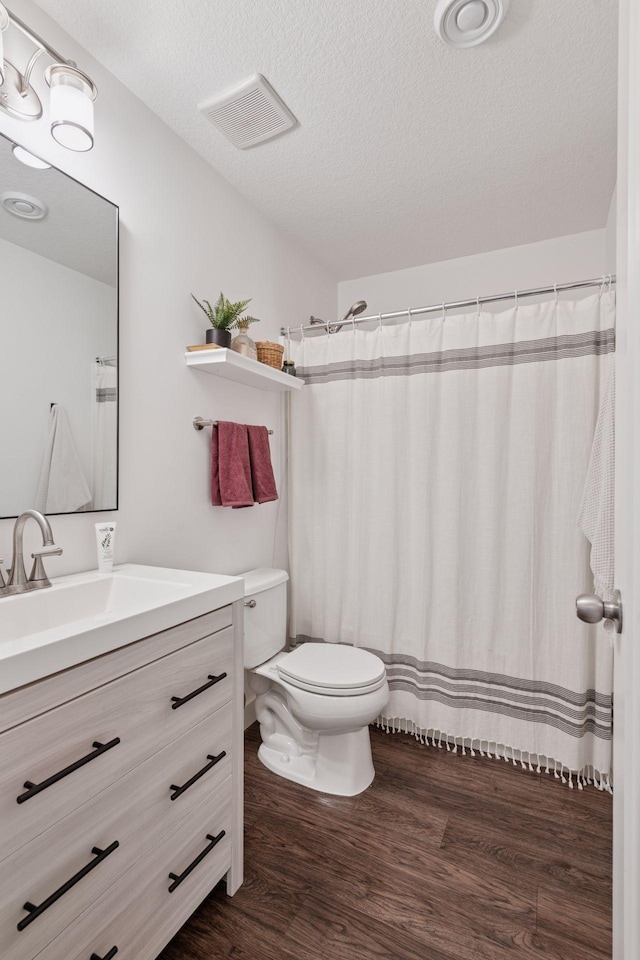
(105, 461)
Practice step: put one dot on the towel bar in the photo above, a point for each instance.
(200, 424)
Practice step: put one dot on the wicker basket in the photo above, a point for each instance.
(270, 353)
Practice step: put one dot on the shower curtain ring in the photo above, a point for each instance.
(410, 317)
(444, 312)
(555, 293)
(379, 321)
(477, 306)
(516, 297)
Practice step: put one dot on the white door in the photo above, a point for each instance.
(626, 802)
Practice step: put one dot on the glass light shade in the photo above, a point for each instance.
(71, 109)
(4, 21)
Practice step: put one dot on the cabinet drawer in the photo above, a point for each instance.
(136, 813)
(137, 914)
(77, 750)
(24, 704)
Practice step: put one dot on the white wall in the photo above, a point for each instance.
(183, 229)
(57, 326)
(610, 235)
(560, 260)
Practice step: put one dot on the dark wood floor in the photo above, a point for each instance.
(443, 858)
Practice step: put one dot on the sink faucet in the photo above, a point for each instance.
(18, 582)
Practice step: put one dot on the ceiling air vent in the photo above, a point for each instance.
(248, 113)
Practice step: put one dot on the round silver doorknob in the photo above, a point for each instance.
(591, 609)
(250, 603)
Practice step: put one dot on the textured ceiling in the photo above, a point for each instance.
(407, 151)
(80, 229)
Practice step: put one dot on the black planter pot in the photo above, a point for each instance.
(222, 338)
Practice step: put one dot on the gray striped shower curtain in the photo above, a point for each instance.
(436, 472)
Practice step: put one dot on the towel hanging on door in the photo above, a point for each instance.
(596, 517)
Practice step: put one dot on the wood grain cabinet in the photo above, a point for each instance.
(121, 795)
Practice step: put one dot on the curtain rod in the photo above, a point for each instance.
(334, 325)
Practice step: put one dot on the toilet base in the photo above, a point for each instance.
(340, 765)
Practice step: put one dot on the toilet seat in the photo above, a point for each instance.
(332, 669)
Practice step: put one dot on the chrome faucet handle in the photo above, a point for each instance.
(38, 575)
(2, 583)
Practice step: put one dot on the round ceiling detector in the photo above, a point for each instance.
(465, 23)
(24, 206)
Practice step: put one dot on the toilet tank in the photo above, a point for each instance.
(265, 623)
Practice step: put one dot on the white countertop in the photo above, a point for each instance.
(88, 614)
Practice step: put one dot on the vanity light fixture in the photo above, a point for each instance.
(4, 23)
(72, 92)
(29, 159)
(71, 107)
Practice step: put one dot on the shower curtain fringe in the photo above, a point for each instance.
(534, 763)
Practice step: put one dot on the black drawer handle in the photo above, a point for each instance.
(98, 750)
(107, 956)
(178, 701)
(196, 776)
(34, 912)
(177, 879)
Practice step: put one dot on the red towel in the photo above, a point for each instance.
(264, 483)
(230, 466)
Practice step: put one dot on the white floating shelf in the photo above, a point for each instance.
(233, 366)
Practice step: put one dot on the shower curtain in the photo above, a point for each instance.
(436, 471)
(105, 435)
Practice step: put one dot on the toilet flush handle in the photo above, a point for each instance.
(250, 603)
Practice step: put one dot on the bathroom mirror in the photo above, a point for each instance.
(58, 340)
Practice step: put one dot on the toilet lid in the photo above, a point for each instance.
(332, 668)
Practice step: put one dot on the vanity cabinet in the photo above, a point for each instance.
(121, 794)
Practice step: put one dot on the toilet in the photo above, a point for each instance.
(314, 704)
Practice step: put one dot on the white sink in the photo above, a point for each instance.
(88, 614)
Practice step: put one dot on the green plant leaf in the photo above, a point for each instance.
(207, 312)
(224, 315)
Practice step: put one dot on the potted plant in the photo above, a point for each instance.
(223, 317)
